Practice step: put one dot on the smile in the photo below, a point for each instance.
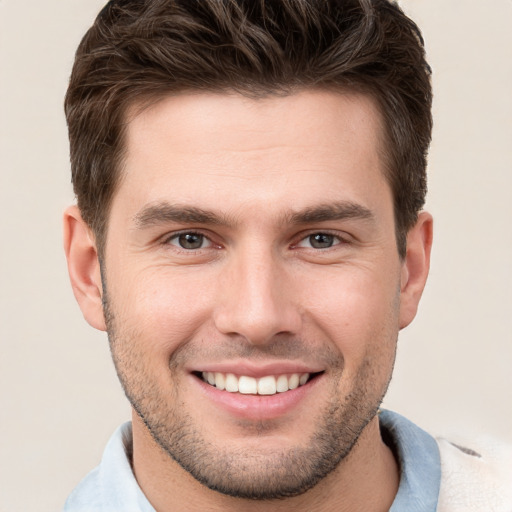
(267, 385)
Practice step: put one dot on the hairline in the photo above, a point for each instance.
(137, 104)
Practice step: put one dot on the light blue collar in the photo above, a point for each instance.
(419, 461)
(112, 485)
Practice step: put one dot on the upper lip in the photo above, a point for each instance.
(250, 369)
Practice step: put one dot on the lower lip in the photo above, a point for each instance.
(258, 407)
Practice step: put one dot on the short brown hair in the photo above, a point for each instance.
(139, 50)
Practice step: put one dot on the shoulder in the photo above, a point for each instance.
(87, 495)
(476, 476)
(112, 485)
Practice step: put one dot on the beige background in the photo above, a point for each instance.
(59, 397)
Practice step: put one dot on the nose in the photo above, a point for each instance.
(255, 300)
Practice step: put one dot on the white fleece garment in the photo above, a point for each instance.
(477, 479)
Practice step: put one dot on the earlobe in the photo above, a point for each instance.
(83, 267)
(415, 267)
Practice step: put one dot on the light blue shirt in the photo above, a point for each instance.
(112, 487)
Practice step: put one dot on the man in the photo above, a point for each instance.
(250, 178)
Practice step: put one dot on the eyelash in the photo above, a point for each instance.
(175, 236)
(337, 240)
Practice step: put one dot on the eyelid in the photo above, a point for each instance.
(169, 237)
(343, 238)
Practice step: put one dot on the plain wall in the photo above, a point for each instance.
(59, 396)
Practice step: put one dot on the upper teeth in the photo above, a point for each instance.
(268, 385)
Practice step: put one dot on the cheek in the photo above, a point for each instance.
(165, 309)
(357, 310)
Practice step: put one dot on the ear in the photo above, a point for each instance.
(84, 267)
(415, 267)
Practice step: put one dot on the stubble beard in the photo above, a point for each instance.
(254, 475)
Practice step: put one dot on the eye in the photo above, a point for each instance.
(319, 241)
(190, 241)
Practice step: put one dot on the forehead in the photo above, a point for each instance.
(322, 116)
(202, 147)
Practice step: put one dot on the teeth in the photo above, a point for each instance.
(282, 384)
(294, 381)
(220, 381)
(247, 385)
(231, 383)
(268, 385)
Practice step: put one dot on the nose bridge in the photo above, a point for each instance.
(255, 302)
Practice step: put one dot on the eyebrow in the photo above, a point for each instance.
(332, 211)
(162, 213)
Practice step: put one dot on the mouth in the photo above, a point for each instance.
(265, 385)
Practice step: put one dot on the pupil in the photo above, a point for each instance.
(191, 241)
(321, 241)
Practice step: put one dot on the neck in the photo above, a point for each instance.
(367, 479)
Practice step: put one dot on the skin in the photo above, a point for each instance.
(257, 293)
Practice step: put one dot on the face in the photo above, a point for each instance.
(252, 284)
